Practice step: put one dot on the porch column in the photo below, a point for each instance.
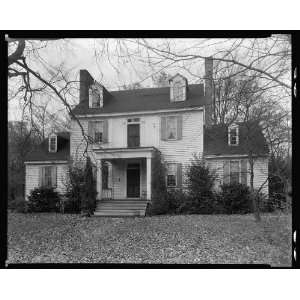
(99, 179)
(148, 178)
(110, 175)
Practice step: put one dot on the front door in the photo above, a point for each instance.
(133, 181)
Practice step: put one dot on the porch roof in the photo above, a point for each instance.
(121, 153)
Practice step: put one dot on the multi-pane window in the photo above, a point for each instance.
(52, 144)
(171, 175)
(178, 92)
(98, 131)
(133, 120)
(48, 176)
(171, 128)
(233, 138)
(234, 171)
(96, 96)
(95, 100)
(133, 135)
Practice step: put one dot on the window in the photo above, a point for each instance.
(95, 101)
(234, 171)
(178, 88)
(96, 131)
(134, 120)
(233, 135)
(171, 128)
(172, 175)
(48, 176)
(133, 135)
(96, 96)
(178, 91)
(53, 143)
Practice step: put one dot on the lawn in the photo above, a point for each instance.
(57, 238)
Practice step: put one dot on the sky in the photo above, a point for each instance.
(113, 65)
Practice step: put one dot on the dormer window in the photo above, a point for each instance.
(96, 95)
(53, 143)
(178, 92)
(233, 135)
(178, 88)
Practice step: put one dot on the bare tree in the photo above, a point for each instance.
(31, 77)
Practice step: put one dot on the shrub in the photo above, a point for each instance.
(235, 198)
(265, 204)
(88, 191)
(43, 199)
(200, 181)
(159, 200)
(69, 204)
(72, 203)
(81, 190)
(17, 205)
(178, 200)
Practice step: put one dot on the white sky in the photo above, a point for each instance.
(76, 54)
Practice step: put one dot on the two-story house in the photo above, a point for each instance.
(121, 130)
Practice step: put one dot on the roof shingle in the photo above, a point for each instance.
(250, 136)
(41, 153)
(144, 100)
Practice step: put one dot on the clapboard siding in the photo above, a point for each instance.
(32, 177)
(260, 172)
(178, 151)
(191, 143)
(78, 143)
(149, 134)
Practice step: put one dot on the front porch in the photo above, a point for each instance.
(124, 173)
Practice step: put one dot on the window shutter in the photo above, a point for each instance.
(179, 175)
(244, 171)
(90, 98)
(226, 172)
(105, 131)
(41, 176)
(179, 127)
(54, 176)
(163, 128)
(91, 129)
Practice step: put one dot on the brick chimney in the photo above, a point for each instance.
(208, 91)
(85, 81)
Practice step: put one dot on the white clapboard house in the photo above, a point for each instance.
(127, 128)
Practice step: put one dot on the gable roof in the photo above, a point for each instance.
(250, 135)
(41, 153)
(178, 75)
(144, 100)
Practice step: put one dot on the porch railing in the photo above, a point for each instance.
(106, 194)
